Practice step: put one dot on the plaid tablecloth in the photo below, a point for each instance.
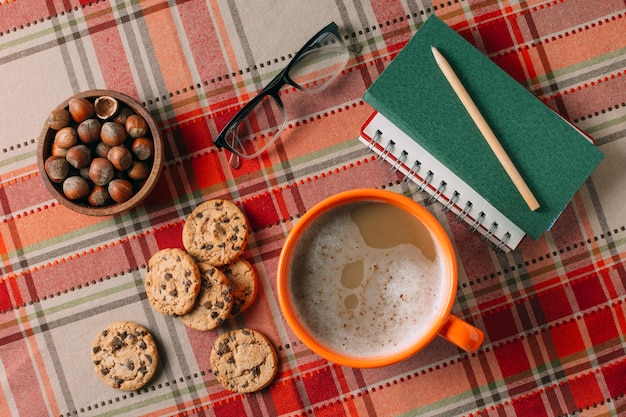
(553, 311)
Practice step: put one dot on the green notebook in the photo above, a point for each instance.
(552, 156)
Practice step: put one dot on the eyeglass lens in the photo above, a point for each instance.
(313, 71)
(319, 66)
(262, 124)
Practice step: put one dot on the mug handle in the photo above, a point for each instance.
(462, 334)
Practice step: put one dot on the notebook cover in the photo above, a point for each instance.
(552, 156)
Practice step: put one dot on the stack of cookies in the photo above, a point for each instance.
(203, 285)
(208, 283)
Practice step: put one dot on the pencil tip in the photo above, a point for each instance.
(436, 53)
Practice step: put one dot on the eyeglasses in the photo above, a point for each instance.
(257, 125)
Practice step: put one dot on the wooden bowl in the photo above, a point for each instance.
(140, 189)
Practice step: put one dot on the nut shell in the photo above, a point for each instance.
(99, 196)
(120, 157)
(101, 171)
(57, 168)
(102, 150)
(56, 151)
(89, 131)
(66, 137)
(58, 119)
(106, 107)
(139, 171)
(80, 109)
(120, 190)
(143, 148)
(84, 172)
(136, 126)
(75, 187)
(112, 134)
(78, 156)
(122, 115)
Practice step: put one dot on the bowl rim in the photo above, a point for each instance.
(364, 194)
(43, 151)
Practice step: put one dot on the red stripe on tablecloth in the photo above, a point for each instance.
(204, 41)
(16, 295)
(16, 359)
(194, 134)
(5, 299)
(589, 291)
(163, 32)
(58, 221)
(107, 43)
(17, 13)
(601, 328)
(286, 397)
(28, 187)
(228, 54)
(602, 95)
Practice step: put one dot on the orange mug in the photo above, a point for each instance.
(330, 318)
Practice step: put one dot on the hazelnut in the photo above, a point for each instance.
(78, 156)
(102, 150)
(139, 171)
(136, 126)
(57, 168)
(101, 171)
(106, 107)
(58, 119)
(120, 157)
(99, 196)
(120, 190)
(143, 148)
(84, 172)
(75, 187)
(112, 133)
(56, 151)
(122, 115)
(89, 131)
(80, 109)
(66, 137)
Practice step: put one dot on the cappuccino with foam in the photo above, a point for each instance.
(367, 278)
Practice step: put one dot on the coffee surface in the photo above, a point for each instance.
(367, 278)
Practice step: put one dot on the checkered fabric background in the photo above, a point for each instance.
(553, 311)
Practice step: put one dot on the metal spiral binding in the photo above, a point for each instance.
(413, 171)
(438, 192)
(463, 214)
(374, 141)
(478, 221)
(401, 159)
(492, 229)
(503, 242)
(427, 179)
(388, 149)
(451, 202)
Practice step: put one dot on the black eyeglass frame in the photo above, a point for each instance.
(272, 89)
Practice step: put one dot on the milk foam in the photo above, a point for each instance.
(397, 297)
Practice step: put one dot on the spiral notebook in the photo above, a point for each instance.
(422, 129)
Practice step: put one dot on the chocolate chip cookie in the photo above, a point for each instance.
(215, 232)
(214, 302)
(243, 284)
(172, 282)
(125, 355)
(244, 360)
